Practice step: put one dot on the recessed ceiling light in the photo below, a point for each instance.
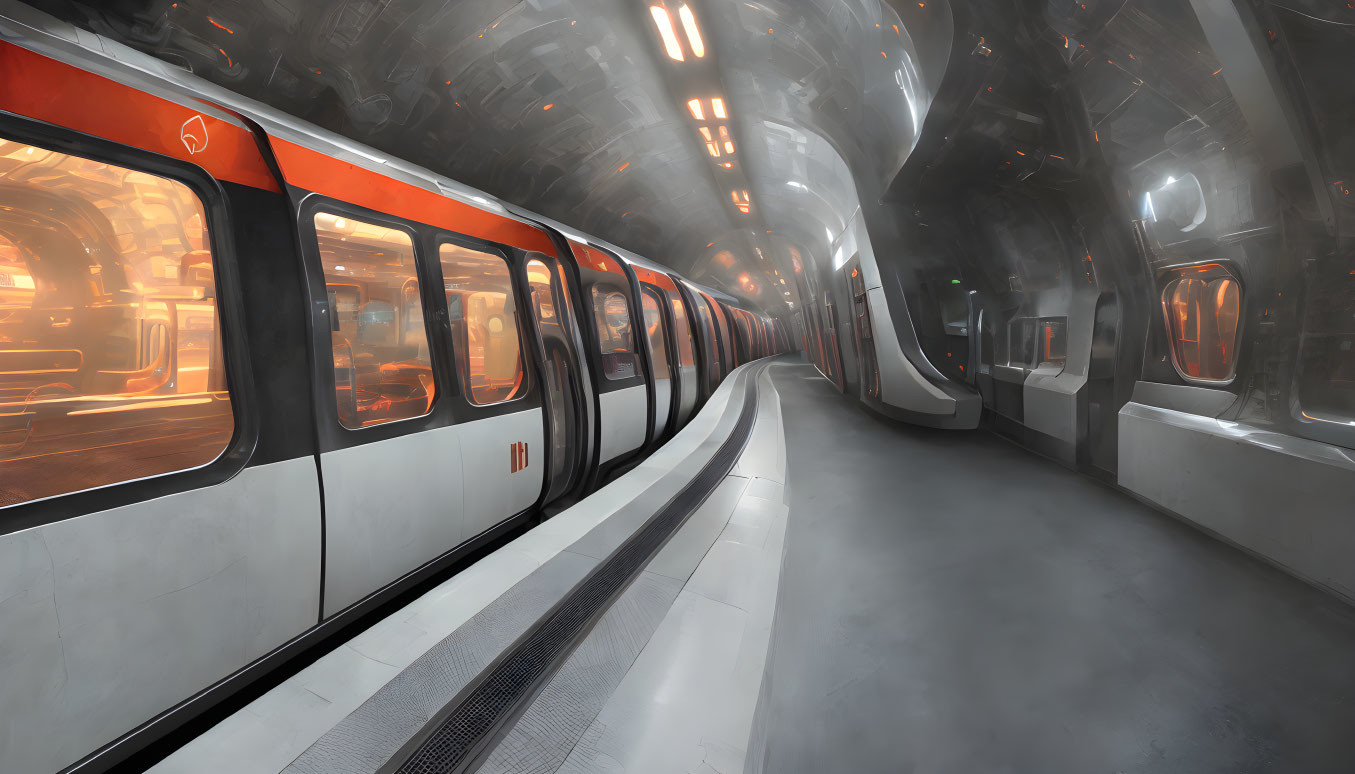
(665, 24)
(693, 33)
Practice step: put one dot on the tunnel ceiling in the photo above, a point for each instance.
(572, 108)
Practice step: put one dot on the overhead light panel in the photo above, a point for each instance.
(717, 106)
(693, 33)
(705, 132)
(713, 150)
(724, 138)
(666, 31)
(698, 113)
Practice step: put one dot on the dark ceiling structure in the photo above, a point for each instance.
(575, 109)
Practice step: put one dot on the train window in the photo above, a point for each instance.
(1053, 341)
(111, 363)
(726, 343)
(683, 333)
(484, 323)
(616, 342)
(1202, 305)
(382, 368)
(708, 322)
(543, 296)
(654, 327)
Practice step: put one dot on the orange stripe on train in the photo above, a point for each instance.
(43, 88)
(314, 171)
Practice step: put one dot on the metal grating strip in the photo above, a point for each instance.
(450, 739)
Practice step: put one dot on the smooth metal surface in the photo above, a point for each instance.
(108, 619)
(1290, 500)
(390, 506)
(494, 491)
(663, 397)
(623, 421)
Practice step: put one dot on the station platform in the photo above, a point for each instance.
(794, 585)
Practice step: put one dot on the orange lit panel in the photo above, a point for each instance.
(1202, 306)
(693, 32)
(698, 113)
(717, 106)
(665, 24)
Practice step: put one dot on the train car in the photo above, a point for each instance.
(256, 380)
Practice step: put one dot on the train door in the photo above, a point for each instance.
(390, 458)
(661, 368)
(712, 370)
(499, 411)
(689, 387)
(421, 379)
(724, 336)
(623, 405)
(868, 370)
(553, 313)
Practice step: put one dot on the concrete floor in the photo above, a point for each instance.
(952, 603)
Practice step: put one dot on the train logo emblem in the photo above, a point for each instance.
(517, 456)
(194, 134)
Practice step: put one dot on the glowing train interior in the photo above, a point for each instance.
(763, 386)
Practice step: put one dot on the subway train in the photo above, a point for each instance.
(256, 379)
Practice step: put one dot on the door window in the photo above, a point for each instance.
(654, 327)
(382, 368)
(484, 323)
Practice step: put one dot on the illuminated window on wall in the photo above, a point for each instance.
(1052, 346)
(1202, 306)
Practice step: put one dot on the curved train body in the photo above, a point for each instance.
(256, 379)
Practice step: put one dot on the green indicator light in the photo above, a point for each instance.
(954, 282)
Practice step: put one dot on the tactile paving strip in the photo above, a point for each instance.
(450, 738)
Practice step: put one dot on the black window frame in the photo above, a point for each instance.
(231, 318)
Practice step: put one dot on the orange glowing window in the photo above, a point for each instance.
(484, 321)
(717, 106)
(698, 113)
(658, 347)
(1202, 305)
(1053, 342)
(382, 368)
(683, 333)
(111, 360)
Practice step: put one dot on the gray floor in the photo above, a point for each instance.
(952, 603)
